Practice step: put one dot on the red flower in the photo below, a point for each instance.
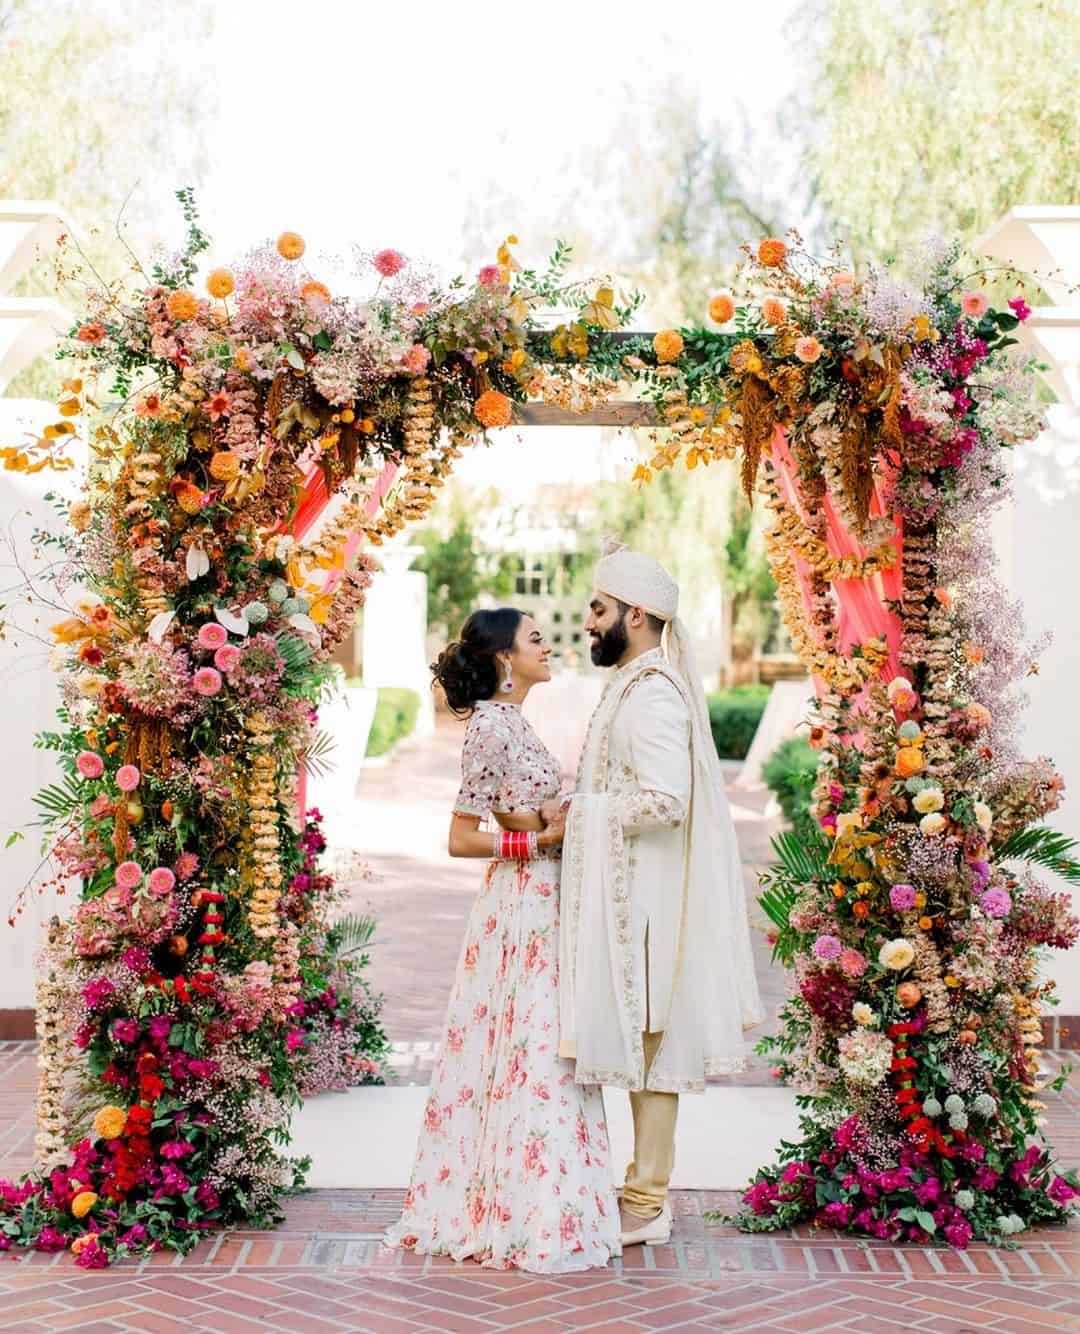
(139, 1120)
(151, 1087)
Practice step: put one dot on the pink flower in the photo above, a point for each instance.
(227, 658)
(212, 635)
(294, 1039)
(974, 305)
(101, 805)
(1020, 308)
(902, 897)
(417, 359)
(852, 963)
(127, 778)
(128, 874)
(186, 865)
(207, 681)
(161, 880)
(421, 307)
(808, 349)
(490, 276)
(90, 765)
(389, 262)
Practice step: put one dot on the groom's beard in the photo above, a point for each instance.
(608, 648)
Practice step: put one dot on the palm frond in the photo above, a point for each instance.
(315, 758)
(776, 902)
(352, 933)
(1045, 847)
(297, 652)
(800, 861)
(58, 801)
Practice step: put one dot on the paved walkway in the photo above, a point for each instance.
(324, 1270)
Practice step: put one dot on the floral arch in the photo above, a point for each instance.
(258, 439)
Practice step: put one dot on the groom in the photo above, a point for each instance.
(656, 975)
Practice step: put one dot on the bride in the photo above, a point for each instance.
(512, 1163)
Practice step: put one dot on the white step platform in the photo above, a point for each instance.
(365, 1137)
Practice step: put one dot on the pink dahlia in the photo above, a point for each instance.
(128, 874)
(90, 765)
(128, 778)
(974, 305)
(852, 963)
(490, 276)
(161, 880)
(207, 681)
(389, 262)
(212, 636)
(826, 948)
(227, 657)
(902, 897)
(417, 359)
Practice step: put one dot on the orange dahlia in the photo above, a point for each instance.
(225, 465)
(668, 345)
(721, 308)
(909, 761)
(182, 305)
(314, 293)
(493, 409)
(220, 283)
(773, 310)
(771, 252)
(290, 245)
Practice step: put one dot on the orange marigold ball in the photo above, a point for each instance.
(773, 310)
(182, 305)
(220, 283)
(493, 409)
(668, 345)
(83, 1203)
(290, 245)
(189, 497)
(314, 292)
(225, 465)
(721, 308)
(771, 252)
(109, 1122)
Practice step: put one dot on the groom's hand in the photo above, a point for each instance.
(551, 811)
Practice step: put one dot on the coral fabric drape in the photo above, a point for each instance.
(862, 612)
(314, 498)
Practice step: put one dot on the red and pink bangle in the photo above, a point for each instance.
(514, 845)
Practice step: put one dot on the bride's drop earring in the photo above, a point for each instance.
(508, 679)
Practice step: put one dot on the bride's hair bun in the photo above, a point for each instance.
(467, 668)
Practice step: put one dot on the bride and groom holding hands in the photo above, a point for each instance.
(608, 945)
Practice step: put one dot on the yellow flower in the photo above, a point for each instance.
(290, 245)
(951, 981)
(863, 888)
(838, 890)
(925, 923)
(219, 283)
(920, 900)
(862, 1014)
(928, 800)
(83, 1203)
(668, 345)
(109, 1122)
(921, 326)
(932, 824)
(225, 465)
(182, 305)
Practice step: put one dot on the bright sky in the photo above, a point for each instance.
(417, 125)
(396, 124)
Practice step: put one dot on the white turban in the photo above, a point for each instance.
(638, 580)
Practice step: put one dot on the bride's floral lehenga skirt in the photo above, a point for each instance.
(512, 1164)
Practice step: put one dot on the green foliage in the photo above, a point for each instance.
(395, 717)
(789, 773)
(1045, 847)
(734, 715)
(351, 933)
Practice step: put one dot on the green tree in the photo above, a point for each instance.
(941, 114)
(99, 110)
(459, 573)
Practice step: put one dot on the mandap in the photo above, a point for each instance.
(255, 434)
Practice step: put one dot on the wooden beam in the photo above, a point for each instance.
(614, 413)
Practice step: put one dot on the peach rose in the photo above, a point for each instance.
(909, 761)
(808, 349)
(974, 305)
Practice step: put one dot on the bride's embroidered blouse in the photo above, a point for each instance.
(504, 764)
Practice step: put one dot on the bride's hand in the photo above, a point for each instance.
(551, 810)
(552, 835)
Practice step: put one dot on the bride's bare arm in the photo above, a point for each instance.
(467, 839)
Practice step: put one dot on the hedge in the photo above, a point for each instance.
(735, 714)
(789, 772)
(396, 710)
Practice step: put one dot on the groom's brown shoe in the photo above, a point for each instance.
(650, 1231)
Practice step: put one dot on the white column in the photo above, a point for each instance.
(395, 631)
